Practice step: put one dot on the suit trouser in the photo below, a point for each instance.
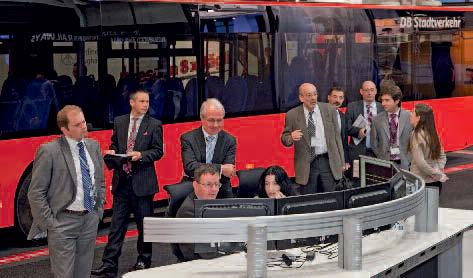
(124, 202)
(71, 243)
(320, 177)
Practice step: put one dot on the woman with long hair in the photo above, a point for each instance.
(428, 158)
(274, 183)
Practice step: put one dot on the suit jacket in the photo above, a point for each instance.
(344, 135)
(193, 151)
(380, 136)
(354, 109)
(53, 184)
(149, 141)
(295, 119)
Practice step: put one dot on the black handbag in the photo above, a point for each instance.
(343, 183)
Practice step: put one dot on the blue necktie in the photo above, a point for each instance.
(86, 180)
(209, 151)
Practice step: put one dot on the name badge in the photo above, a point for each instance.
(395, 151)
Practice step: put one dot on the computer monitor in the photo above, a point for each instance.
(222, 208)
(369, 195)
(307, 204)
(398, 186)
(378, 173)
(240, 207)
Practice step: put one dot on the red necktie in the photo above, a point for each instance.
(130, 145)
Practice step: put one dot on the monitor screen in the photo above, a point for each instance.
(223, 208)
(369, 195)
(308, 204)
(398, 186)
(378, 173)
(233, 208)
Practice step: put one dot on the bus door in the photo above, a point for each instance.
(238, 58)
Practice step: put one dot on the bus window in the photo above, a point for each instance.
(147, 53)
(238, 60)
(314, 49)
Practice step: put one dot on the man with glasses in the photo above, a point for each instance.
(210, 144)
(367, 107)
(206, 187)
(318, 152)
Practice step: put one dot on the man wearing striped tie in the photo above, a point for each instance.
(318, 151)
(134, 183)
(66, 195)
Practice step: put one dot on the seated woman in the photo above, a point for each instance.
(275, 184)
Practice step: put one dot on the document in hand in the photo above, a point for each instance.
(116, 161)
(360, 122)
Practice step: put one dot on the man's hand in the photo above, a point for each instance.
(296, 135)
(109, 152)
(346, 167)
(228, 170)
(362, 133)
(135, 156)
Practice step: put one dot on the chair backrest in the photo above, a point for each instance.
(177, 194)
(248, 182)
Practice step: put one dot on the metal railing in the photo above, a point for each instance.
(348, 224)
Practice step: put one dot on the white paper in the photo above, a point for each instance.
(121, 155)
(360, 122)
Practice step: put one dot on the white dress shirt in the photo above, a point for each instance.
(318, 142)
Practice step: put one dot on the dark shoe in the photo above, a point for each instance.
(104, 271)
(142, 264)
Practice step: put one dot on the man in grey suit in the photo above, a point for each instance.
(391, 129)
(318, 152)
(66, 195)
(368, 107)
(210, 144)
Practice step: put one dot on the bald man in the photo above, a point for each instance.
(318, 152)
(368, 107)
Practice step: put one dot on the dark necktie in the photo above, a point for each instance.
(369, 113)
(130, 145)
(86, 180)
(393, 133)
(311, 131)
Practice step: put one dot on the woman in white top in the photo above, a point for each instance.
(427, 155)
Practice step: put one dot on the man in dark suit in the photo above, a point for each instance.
(134, 183)
(391, 129)
(206, 187)
(66, 195)
(210, 144)
(368, 107)
(336, 96)
(318, 152)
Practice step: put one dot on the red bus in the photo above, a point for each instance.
(251, 56)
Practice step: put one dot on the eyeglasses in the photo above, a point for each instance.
(211, 185)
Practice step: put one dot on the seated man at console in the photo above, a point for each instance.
(206, 185)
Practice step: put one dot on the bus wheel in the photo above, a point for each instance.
(23, 217)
